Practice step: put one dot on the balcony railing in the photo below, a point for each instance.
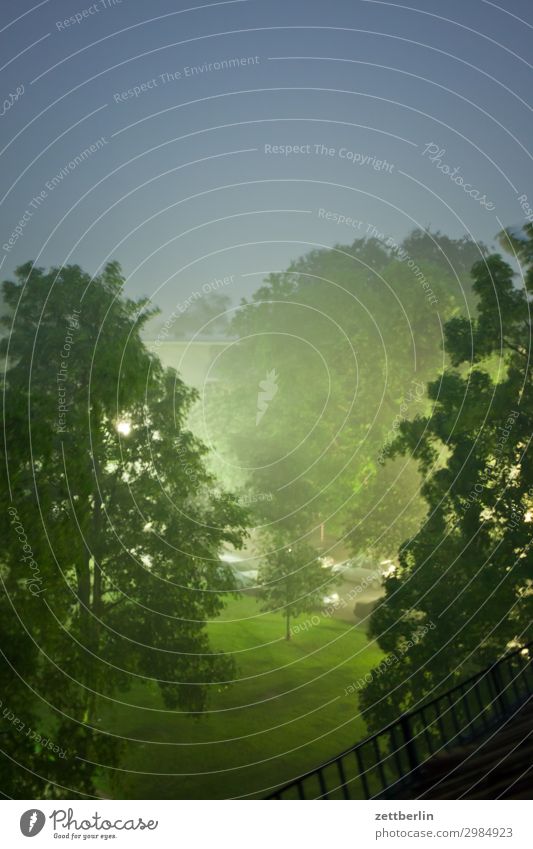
(371, 767)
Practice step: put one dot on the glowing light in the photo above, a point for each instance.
(388, 568)
(124, 428)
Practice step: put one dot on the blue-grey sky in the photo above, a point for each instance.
(191, 179)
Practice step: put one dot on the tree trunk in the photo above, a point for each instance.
(96, 608)
(84, 595)
(90, 637)
(288, 625)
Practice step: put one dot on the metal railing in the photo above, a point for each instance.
(370, 767)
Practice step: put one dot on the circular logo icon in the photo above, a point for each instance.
(32, 822)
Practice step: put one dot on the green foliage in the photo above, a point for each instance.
(111, 494)
(350, 333)
(469, 568)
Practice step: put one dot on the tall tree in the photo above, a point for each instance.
(109, 492)
(351, 332)
(469, 570)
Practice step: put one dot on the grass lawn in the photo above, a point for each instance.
(285, 713)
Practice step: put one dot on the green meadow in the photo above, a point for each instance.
(285, 713)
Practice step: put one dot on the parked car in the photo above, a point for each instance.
(331, 598)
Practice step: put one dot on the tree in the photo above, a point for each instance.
(293, 582)
(349, 331)
(109, 494)
(466, 578)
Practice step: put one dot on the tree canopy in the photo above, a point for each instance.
(110, 562)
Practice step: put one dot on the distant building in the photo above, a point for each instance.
(195, 359)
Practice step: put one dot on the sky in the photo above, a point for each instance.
(198, 143)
